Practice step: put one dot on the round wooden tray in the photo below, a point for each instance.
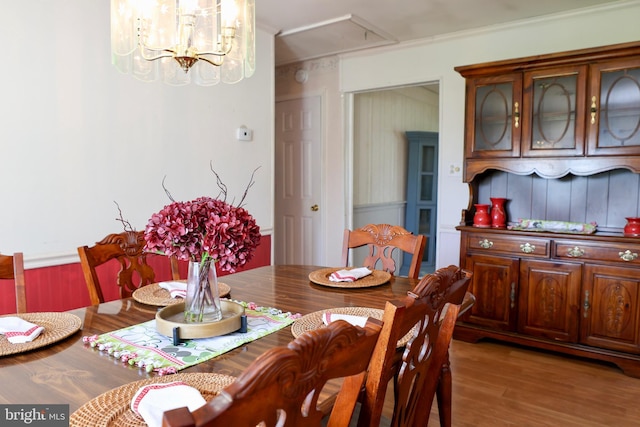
(172, 316)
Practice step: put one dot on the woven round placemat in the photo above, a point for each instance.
(312, 321)
(376, 278)
(113, 407)
(153, 294)
(57, 326)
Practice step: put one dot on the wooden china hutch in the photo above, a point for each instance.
(558, 136)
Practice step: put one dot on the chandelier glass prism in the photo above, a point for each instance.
(183, 41)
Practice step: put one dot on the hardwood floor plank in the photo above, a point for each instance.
(497, 384)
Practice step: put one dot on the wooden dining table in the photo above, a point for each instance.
(72, 372)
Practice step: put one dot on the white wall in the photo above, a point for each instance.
(76, 135)
(434, 60)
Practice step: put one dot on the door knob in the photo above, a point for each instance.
(314, 208)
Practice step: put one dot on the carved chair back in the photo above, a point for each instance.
(416, 368)
(282, 386)
(127, 248)
(382, 240)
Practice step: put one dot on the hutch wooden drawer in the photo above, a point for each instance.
(521, 246)
(598, 251)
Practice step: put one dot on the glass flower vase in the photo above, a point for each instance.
(202, 302)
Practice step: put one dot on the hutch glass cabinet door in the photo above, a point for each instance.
(614, 116)
(554, 109)
(493, 122)
(422, 195)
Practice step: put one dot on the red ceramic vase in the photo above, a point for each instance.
(481, 218)
(633, 227)
(498, 215)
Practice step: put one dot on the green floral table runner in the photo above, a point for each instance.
(142, 346)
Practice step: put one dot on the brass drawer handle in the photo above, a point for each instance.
(627, 255)
(575, 252)
(485, 244)
(516, 114)
(593, 110)
(528, 248)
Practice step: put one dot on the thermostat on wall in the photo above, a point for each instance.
(244, 134)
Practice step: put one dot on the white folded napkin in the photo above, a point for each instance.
(176, 289)
(328, 317)
(151, 401)
(349, 275)
(18, 330)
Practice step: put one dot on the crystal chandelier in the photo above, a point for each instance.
(180, 41)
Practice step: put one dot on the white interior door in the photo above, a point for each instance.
(298, 212)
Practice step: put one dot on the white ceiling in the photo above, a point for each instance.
(313, 28)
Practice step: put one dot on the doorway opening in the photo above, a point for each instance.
(380, 176)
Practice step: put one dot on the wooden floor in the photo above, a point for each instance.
(497, 384)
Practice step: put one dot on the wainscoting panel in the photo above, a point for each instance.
(62, 287)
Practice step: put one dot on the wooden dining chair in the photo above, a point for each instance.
(175, 268)
(12, 268)
(127, 248)
(444, 390)
(383, 240)
(282, 386)
(432, 309)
